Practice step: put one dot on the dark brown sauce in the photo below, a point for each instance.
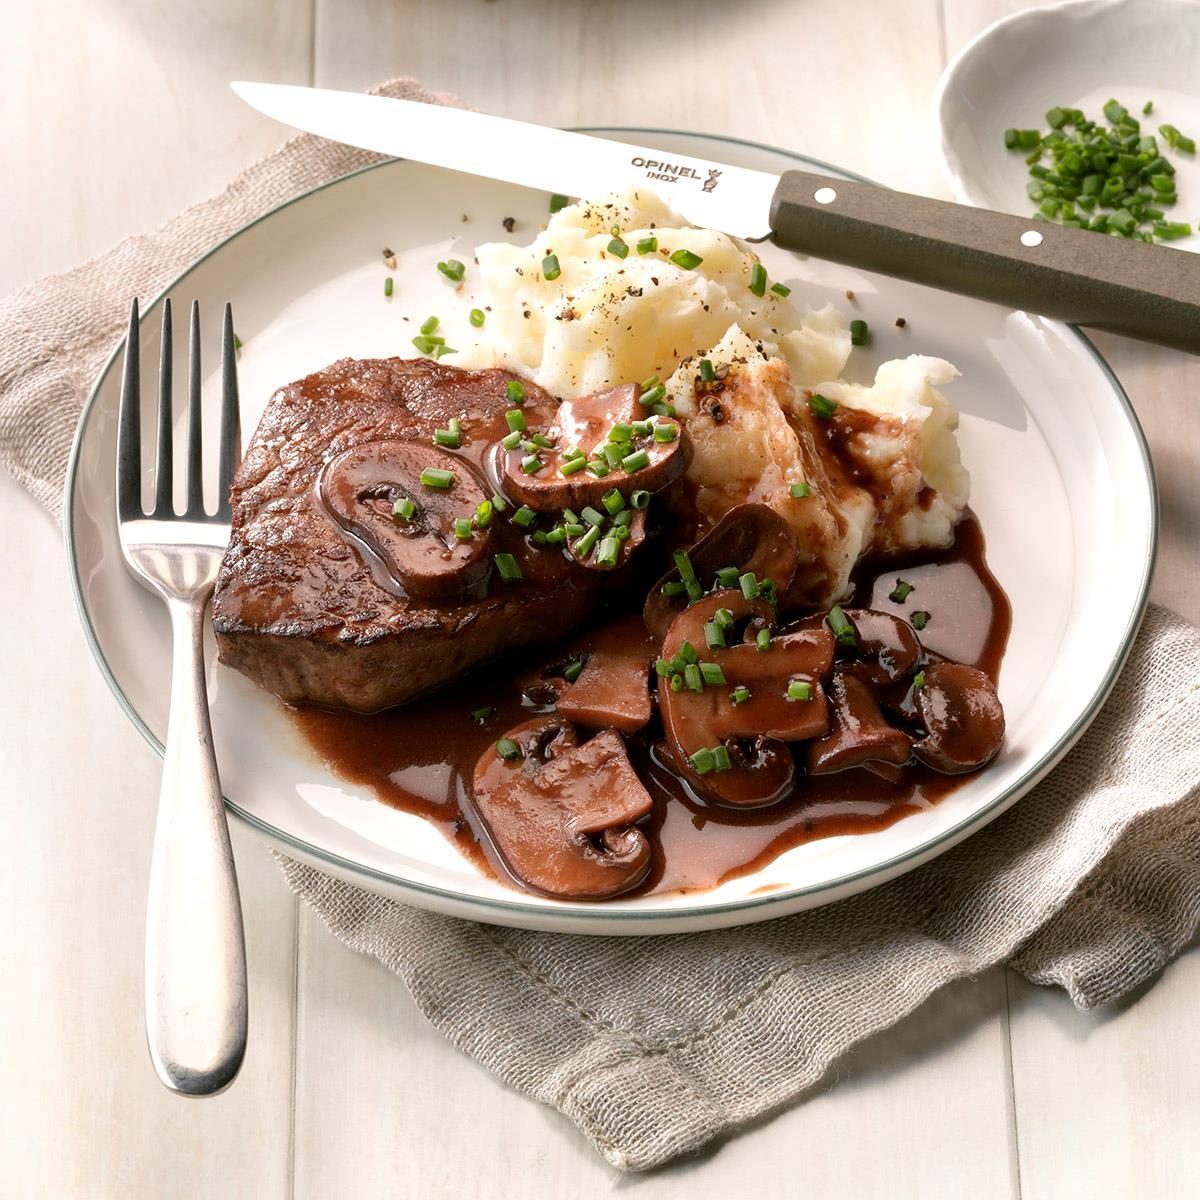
(420, 758)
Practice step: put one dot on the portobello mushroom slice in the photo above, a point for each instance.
(859, 734)
(611, 689)
(561, 815)
(610, 426)
(419, 553)
(886, 648)
(749, 537)
(963, 720)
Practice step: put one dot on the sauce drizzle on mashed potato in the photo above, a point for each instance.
(884, 469)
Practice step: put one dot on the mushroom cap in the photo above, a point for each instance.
(561, 818)
(584, 424)
(421, 556)
(762, 768)
(963, 719)
(750, 537)
(859, 734)
(612, 690)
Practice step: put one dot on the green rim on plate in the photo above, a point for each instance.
(568, 910)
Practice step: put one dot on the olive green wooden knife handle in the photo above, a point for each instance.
(1127, 286)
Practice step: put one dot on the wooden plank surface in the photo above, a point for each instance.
(347, 1091)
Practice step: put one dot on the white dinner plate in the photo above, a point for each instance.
(1062, 484)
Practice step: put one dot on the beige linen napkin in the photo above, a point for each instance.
(654, 1046)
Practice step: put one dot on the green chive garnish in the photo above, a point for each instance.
(740, 694)
(476, 317)
(781, 289)
(822, 406)
(388, 286)
(635, 461)
(403, 509)
(728, 576)
(712, 674)
(686, 259)
(452, 269)
(597, 467)
(592, 517)
(462, 529)
(481, 714)
(762, 639)
(508, 750)
(842, 627)
(531, 464)
(620, 432)
(510, 441)
(674, 587)
(435, 477)
(647, 245)
(721, 761)
(572, 465)
(583, 547)
(430, 324)
(703, 761)
(558, 203)
(573, 670)
(639, 499)
(692, 678)
(515, 419)
(707, 374)
(507, 566)
(859, 333)
(714, 636)
(574, 529)
(687, 652)
(677, 682)
(613, 501)
(447, 437)
(899, 593)
(483, 514)
(609, 552)
(919, 619)
(919, 680)
(618, 248)
(237, 342)
(499, 503)
(550, 268)
(749, 585)
(524, 516)
(758, 279)
(800, 490)
(665, 433)
(514, 391)
(652, 395)
(799, 689)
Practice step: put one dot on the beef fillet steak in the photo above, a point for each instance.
(324, 597)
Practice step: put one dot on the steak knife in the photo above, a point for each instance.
(1145, 291)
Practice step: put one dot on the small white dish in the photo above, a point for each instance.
(1061, 481)
(1076, 55)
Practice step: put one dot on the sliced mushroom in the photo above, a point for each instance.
(584, 424)
(753, 731)
(887, 649)
(612, 690)
(562, 816)
(750, 537)
(859, 734)
(962, 716)
(422, 554)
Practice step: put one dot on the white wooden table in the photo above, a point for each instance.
(115, 115)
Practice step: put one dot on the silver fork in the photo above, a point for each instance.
(195, 946)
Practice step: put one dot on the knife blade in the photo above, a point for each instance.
(1145, 291)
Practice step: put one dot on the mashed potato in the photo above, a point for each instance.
(884, 471)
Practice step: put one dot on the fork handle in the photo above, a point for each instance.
(195, 945)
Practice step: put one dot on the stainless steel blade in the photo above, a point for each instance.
(715, 195)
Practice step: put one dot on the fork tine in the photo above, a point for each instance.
(195, 446)
(129, 428)
(163, 472)
(231, 449)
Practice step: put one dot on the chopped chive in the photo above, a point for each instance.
(435, 477)
(499, 503)
(674, 587)
(758, 279)
(481, 714)
(707, 374)
(430, 324)
(687, 652)
(842, 626)
(447, 437)
(515, 419)
(683, 564)
(620, 432)
(799, 689)
(510, 572)
(574, 529)
(712, 674)
(511, 441)
(572, 465)
(476, 317)
(724, 618)
(662, 668)
(508, 750)
(728, 576)
(693, 678)
(639, 499)
(593, 518)
(822, 406)
(859, 333)
(483, 514)
(609, 551)
(647, 245)
(524, 516)
(781, 289)
(237, 342)
(703, 761)
(919, 680)
(899, 593)
(597, 467)
(677, 682)
(749, 585)
(452, 269)
(642, 428)
(531, 464)
(613, 501)
(583, 547)
(663, 410)
(686, 259)
(403, 509)
(462, 529)
(618, 248)
(799, 490)
(550, 268)
(721, 760)
(665, 433)
(542, 442)
(573, 670)
(557, 535)
(919, 619)
(1147, 108)
(762, 639)
(389, 286)
(648, 383)
(740, 694)
(613, 452)
(652, 395)
(558, 203)
(635, 461)
(514, 391)
(714, 636)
